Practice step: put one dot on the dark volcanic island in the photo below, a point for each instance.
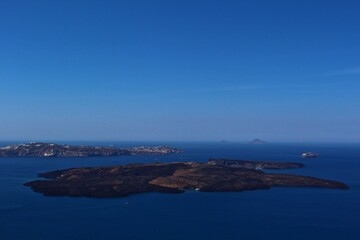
(218, 175)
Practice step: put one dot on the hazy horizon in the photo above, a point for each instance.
(170, 141)
(180, 71)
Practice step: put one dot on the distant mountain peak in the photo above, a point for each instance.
(257, 141)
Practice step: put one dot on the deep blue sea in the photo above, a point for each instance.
(279, 213)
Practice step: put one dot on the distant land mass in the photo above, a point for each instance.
(218, 175)
(257, 141)
(37, 149)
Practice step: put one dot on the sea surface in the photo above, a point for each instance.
(279, 213)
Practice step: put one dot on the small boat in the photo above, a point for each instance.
(310, 155)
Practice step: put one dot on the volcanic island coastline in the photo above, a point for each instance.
(217, 175)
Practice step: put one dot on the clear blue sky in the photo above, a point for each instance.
(180, 70)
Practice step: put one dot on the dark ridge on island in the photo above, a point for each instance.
(37, 149)
(121, 181)
(254, 164)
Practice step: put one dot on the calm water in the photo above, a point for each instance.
(279, 213)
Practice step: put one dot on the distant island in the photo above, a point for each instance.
(218, 175)
(257, 141)
(37, 149)
(310, 155)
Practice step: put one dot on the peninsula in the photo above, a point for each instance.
(38, 149)
(214, 176)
